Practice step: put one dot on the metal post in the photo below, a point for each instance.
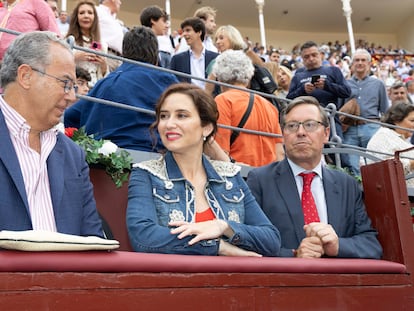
(260, 5)
(168, 10)
(346, 7)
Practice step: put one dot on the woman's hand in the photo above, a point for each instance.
(81, 56)
(205, 230)
(93, 58)
(227, 249)
(102, 62)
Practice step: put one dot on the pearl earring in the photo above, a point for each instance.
(204, 138)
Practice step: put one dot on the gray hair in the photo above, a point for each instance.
(233, 67)
(30, 48)
(362, 52)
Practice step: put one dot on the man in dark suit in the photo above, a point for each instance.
(196, 60)
(343, 228)
(44, 176)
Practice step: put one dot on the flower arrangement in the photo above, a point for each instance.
(117, 163)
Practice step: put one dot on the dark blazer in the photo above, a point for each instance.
(71, 190)
(275, 190)
(181, 62)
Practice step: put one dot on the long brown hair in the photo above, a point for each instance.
(74, 27)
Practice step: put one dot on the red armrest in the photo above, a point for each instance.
(119, 261)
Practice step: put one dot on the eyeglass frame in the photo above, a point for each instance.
(66, 87)
(303, 123)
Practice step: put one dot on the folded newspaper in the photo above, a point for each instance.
(36, 240)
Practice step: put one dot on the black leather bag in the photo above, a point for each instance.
(262, 80)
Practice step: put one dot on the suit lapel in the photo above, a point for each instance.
(9, 158)
(55, 169)
(207, 60)
(187, 64)
(288, 191)
(330, 185)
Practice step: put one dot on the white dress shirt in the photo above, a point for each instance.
(33, 167)
(198, 68)
(316, 187)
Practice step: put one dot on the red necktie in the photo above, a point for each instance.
(310, 213)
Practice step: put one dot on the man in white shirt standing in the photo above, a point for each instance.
(111, 29)
(196, 60)
(208, 16)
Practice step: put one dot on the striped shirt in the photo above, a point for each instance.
(33, 167)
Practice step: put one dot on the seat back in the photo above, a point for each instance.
(387, 204)
(111, 203)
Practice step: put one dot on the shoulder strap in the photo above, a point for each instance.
(235, 134)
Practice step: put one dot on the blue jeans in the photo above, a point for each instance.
(359, 135)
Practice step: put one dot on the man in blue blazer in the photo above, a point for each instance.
(343, 229)
(196, 60)
(44, 176)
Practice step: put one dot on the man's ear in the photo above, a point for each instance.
(327, 132)
(153, 21)
(24, 76)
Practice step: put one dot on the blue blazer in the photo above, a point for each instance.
(275, 190)
(71, 190)
(181, 62)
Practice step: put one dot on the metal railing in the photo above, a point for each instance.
(336, 145)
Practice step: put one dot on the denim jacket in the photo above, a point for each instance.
(158, 194)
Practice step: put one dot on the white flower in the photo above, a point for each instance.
(107, 148)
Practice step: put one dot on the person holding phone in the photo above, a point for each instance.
(315, 78)
(84, 26)
(325, 83)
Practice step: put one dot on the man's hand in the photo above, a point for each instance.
(320, 83)
(309, 88)
(310, 247)
(326, 234)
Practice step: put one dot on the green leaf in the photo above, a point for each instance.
(117, 164)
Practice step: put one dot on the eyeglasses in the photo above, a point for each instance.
(309, 126)
(68, 84)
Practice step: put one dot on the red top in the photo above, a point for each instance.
(206, 215)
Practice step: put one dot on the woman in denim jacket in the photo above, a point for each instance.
(184, 203)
